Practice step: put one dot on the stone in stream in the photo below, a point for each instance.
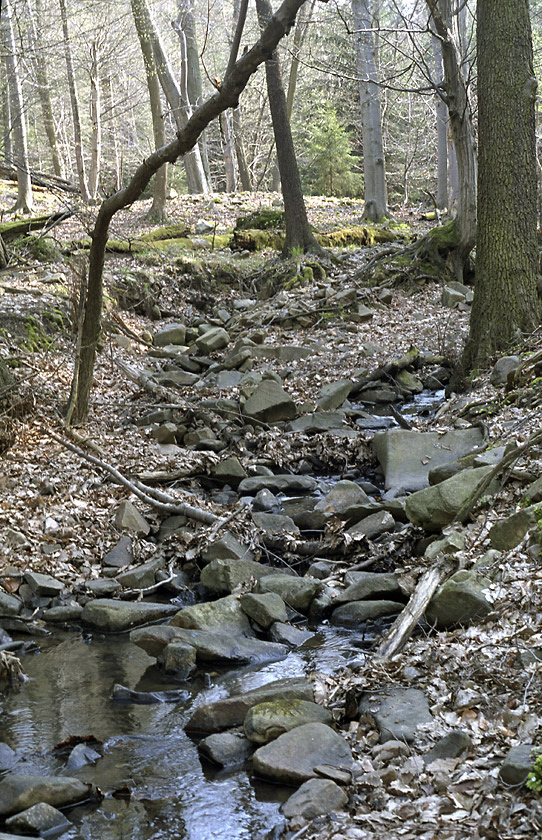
(297, 592)
(225, 649)
(128, 518)
(153, 640)
(288, 484)
(315, 798)
(40, 819)
(122, 694)
(270, 403)
(141, 576)
(226, 548)
(231, 711)
(9, 605)
(371, 585)
(287, 634)
(227, 749)
(407, 456)
(112, 616)
(223, 576)
(224, 616)
(264, 609)
(333, 394)
(460, 600)
(373, 526)
(397, 713)
(179, 659)
(80, 756)
(43, 586)
(518, 764)
(17, 793)
(8, 757)
(266, 721)
(292, 757)
(437, 506)
(356, 612)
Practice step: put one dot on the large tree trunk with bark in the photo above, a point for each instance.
(374, 167)
(20, 152)
(234, 82)
(42, 78)
(505, 297)
(157, 213)
(299, 236)
(74, 100)
(441, 115)
(96, 122)
(457, 100)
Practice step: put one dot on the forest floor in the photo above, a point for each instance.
(477, 678)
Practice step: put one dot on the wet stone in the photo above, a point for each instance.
(356, 612)
(267, 721)
(80, 756)
(227, 749)
(112, 616)
(292, 757)
(39, 819)
(315, 798)
(287, 634)
(43, 585)
(18, 793)
(224, 615)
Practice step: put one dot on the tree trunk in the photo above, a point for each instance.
(107, 86)
(505, 299)
(457, 101)
(20, 151)
(74, 99)
(374, 167)
(42, 78)
(233, 83)
(242, 165)
(441, 114)
(299, 236)
(228, 150)
(6, 117)
(157, 213)
(96, 122)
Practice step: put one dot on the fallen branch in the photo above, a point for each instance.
(146, 494)
(146, 382)
(404, 624)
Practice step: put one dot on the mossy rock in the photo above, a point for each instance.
(180, 231)
(258, 240)
(261, 220)
(361, 236)
(41, 248)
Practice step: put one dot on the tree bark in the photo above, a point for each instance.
(374, 167)
(505, 299)
(228, 150)
(42, 78)
(299, 236)
(242, 164)
(96, 122)
(74, 100)
(233, 84)
(157, 213)
(441, 115)
(20, 152)
(6, 117)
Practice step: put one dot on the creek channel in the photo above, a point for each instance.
(174, 793)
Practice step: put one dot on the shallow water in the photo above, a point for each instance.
(145, 748)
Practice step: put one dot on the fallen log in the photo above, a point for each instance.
(21, 227)
(39, 179)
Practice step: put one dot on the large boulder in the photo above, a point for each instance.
(17, 793)
(407, 456)
(356, 612)
(297, 592)
(224, 616)
(232, 650)
(460, 600)
(222, 576)
(231, 711)
(267, 721)
(270, 403)
(292, 758)
(437, 506)
(111, 616)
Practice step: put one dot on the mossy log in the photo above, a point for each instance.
(362, 237)
(21, 227)
(3, 254)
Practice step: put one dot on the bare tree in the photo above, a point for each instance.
(74, 100)
(95, 119)
(42, 78)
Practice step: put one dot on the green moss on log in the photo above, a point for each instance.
(261, 220)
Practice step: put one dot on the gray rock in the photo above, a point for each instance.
(166, 433)
(295, 591)
(270, 403)
(334, 394)
(283, 353)
(111, 616)
(504, 366)
(227, 379)
(223, 648)
(264, 609)
(172, 334)
(287, 484)
(266, 502)
(153, 640)
(304, 513)
(533, 492)
(230, 471)
(397, 713)
(287, 634)
(43, 586)
(142, 576)
(180, 659)
(231, 711)
(8, 757)
(356, 612)
(318, 421)
(371, 585)
(266, 721)
(292, 757)
(120, 555)
(408, 382)
(223, 576)
(449, 544)
(344, 496)
(80, 756)
(275, 523)
(102, 587)
(315, 798)
(437, 506)
(227, 749)
(517, 765)
(460, 600)
(228, 547)
(128, 518)
(17, 793)
(9, 605)
(63, 613)
(452, 745)
(451, 297)
(508, 533)
(171, 525)
(224, 615)
(39, 819)
(320, 569)
(373, 526)
(407, 457)
(214, 339)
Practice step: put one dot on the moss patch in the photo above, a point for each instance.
(261, 220)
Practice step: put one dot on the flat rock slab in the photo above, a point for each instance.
(270, 403)
(397, 713)
(267, 721)
(318, 421)
(234, 650)
(224, 615)
(292, 757)
(356, 612)
(371, 585)
(437, 506)
(264, 609)
(297, 592)
(39, 819)
(227, 749)
(44, 586)
(115, 616)
(17, 793)
(315, 798)
(231, 711)
(287, 484)
(407, 457)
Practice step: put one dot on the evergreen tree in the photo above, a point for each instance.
(331, 170)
